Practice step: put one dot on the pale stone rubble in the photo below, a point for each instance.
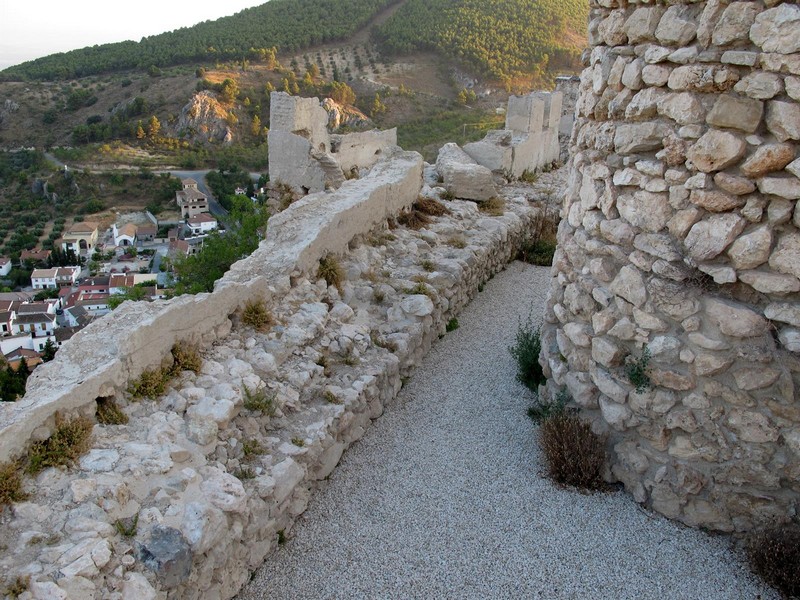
(209, 506)
(681, 235)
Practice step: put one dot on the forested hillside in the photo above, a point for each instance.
(289, 25)
(503, 39)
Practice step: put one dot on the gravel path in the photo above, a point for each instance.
(444, 498)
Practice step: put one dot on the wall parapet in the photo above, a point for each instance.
(681, 237)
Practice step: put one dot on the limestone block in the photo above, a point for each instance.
(708, 21)
(683, 108)
(778, 29)
(748, 379)
(657, 244)
(733, 184)
(630, 285)
(611, 30)
(640, 137)
(779, 211)
(606, 352)
(644, 105)
(702, 78)
(783, 118)
(203, 525)
(760, 85)
(770, 283)
(287, 474)
(363, 149)
(494, 152)
(783, 312)
(751, 250)
(785, 187)
(715, 201)
(786, 257)
(526, 114)
(734, 24)
(223, 490)
(790, 339)
(632, 75)
(794, 168)
(716, 150)
(733, 319)
(291, 162)
(463, 177)
(614, 414)
(645, 210)
(678, 26)
(710, 237)
(768, 158)
(751, 426)
(641, 25)
(736, 113)
(136, 587)
(656, 75)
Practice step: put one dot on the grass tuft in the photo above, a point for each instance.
(636, 370)
(256, 315)
(70, 440)
(420, 289)
(525, 351)
(774, 554)
(529, 176)
(448, 195)
(19, 586)
(252, 448)
(457, 242)
(127, 527)
(244, 473)
(108, 413)
(414, 219)
(539, 252)
(575, 455)
(452, 325)
(331, 271)
(431, 207)
(186, 358)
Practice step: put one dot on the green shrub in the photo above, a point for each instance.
(636, 370)
(428, 266)
(525, 351)
(452, 325)
(127, 527)
(257, 400)
(70, 440)
(448, 195)
(252, 448)
(331, 271)
(256, 315)
(244, 473)
(539, 252)
(774, 554)
(108, 413)
(186, 358)
(541, 411)
(529, 176)
(150, 384)
(575, 455)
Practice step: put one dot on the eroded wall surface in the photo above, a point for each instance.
(681, 237)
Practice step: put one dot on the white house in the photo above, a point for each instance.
(43, 279)
(201, 224)
(37, 324)
(5, 266)
(125, 235)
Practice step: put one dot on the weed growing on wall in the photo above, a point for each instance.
(70, 440)
(256, 315)
(331, 271)
(636, 370)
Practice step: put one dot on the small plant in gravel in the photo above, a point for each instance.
(414, 219)
(299, 442)
(452, 325)
(257, 400)
(421, 289)
(541, 411)
(350, 359)
(11, 484)
(525, 351)
(244, 473)
(256, 315)
(281, 537)
(457, 242)
(431, 207)
(636, 370)
(494, 207)
(529, 176)
(575, 455)
(428, 265)
(70, 440)
(127, 527)
(774, 554)
(331, 398)
(447, 195)
(19, 586)
(108, 413)
(331, 271)
(252, 448)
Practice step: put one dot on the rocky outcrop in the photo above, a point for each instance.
(203, 120)
(680, 242)
(344, 116)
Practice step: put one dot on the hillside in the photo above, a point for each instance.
(289, 25)
(501, 39)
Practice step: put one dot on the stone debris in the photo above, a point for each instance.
(682, 236)
(462, 176)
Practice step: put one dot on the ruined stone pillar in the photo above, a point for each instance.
(680, 241)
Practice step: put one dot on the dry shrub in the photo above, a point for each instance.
(431, 207)
(187, 358)
(70, 440)
(414, 219)
(11, 484)
(256, 315)
(494, 207)
(576, 456)
(331, 271)
(150, 384)
(774, 554)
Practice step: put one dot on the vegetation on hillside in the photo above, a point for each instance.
(503, 39)
(289, 25)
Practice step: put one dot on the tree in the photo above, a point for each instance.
(378, 107)
(49, 351)
(229, 90)
(342, 93)
(153, 127)
(255, 126)
(286, 87)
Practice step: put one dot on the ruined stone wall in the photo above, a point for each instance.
(681, 238)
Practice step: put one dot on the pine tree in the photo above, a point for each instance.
(255, 126)
(49, 351)
(153, 127)
(140, 131)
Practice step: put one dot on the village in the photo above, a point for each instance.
(91, 271)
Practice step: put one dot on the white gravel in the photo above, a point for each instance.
(445, 497)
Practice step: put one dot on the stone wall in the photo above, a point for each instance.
(214, 480)
(681, 238)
